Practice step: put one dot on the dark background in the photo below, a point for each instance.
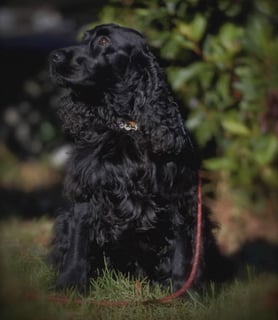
(30, 131)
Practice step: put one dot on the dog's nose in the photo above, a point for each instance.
(57, 56)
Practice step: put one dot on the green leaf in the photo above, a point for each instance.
(195, 120)
(223, 89)
(170, 49)
(235, 127)
(214, 52)
(198, 27)
(230, 37)
(193, 30)
(185, 43)
(215, 164)
(179, 76)
(265, 149)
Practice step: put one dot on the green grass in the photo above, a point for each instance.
(27, 283)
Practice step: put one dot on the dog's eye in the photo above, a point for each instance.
(86, 36)
(103, 41)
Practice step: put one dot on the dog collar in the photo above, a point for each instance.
(128, 126)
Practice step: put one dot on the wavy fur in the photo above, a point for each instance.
(132, 194)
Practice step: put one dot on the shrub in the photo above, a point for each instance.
(222, 63)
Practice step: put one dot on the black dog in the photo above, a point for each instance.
(132, 177)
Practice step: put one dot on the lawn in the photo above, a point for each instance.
(27, 288)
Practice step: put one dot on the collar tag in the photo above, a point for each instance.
(128, 126)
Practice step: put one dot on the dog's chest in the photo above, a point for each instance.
(109, 163)
(113, 168)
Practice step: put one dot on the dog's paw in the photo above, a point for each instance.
(75, 277)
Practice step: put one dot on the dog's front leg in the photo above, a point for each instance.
(181, 259)
(74, 272)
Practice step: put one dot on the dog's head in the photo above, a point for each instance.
(103, 56)
(112, 67)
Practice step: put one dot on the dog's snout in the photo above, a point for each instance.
(58, 56)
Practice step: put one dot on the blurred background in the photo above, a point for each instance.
(221, 60)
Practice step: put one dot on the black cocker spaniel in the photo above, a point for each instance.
(132, 176)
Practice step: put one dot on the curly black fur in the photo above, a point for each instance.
(132, 192)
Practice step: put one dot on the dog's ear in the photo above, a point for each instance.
(167, 135)
(140, 55)
(166, 131)
(158, 112)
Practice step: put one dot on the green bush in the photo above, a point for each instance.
(222, 59)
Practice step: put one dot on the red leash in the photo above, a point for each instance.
(197, 251)
(181, 291)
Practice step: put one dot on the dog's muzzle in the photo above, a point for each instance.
(57, 57)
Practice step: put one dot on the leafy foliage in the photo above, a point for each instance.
(222, 63)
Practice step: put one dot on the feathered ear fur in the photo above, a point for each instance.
(142, 95)
(156, 110)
